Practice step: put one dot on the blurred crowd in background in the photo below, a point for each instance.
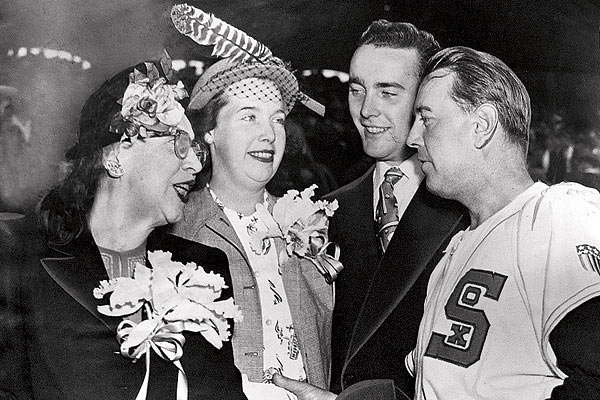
(324, 151)
(36, 130)
(565, 148)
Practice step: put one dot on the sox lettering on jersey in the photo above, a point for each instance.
(464, 346)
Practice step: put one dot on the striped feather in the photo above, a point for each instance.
(228, 41)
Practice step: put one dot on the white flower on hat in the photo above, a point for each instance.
(153, 105)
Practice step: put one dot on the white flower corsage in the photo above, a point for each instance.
(302, 224)
(176, 297)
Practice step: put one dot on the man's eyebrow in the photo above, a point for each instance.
(384, 85)
(378, 85)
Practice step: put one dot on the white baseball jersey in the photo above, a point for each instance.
(498, 292)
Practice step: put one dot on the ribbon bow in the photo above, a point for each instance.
(327, 265)
(166, 341)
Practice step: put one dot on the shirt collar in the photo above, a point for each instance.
(411, 168)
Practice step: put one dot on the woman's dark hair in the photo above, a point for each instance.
(203, 121)
(63, 212)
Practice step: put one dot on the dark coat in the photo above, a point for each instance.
(70, 350)
(379, 301)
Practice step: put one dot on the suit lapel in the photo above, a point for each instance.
(357, 219)
(362, 191)
(422, 229)
(206, 212)
(78, 275)
(365, 193)
(303, 295)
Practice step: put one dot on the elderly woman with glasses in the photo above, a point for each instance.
(111, 290)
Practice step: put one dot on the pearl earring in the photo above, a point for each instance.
(114, 168)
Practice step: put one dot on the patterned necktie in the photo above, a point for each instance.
(386, 215)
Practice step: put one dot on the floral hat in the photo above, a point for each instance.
(138, 101)
(241, 57)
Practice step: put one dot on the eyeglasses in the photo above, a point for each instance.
(183, 143)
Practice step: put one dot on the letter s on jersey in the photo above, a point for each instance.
(463, 347)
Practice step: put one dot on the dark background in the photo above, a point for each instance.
(552, 45)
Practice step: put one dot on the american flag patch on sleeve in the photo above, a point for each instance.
(589, 257)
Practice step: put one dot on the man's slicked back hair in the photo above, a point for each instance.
(482, 78)
(400, 35)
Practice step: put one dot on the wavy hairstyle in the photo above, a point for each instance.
(400, 35)
(205, 120)
(63, 212)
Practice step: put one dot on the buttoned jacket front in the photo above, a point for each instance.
(310, 297)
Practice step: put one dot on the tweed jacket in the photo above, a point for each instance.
(310, 297)
(68, 350)
(379, 300)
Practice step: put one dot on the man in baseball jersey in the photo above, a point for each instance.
(512, 309)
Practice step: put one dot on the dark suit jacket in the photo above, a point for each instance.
(379, 302)
(69, 351)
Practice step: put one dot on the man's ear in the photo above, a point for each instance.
(486, 122)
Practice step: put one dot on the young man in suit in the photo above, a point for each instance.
(390, 229)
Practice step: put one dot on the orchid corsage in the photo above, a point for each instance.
(302, 223)
(175, 297)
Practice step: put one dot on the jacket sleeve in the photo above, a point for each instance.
(576, 343)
